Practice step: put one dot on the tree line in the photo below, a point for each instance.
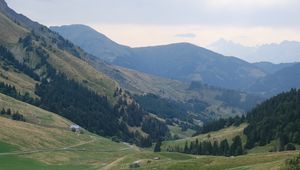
(278, 118)
(13, 115)
(220, 124)
(208, 148)
(11, 91)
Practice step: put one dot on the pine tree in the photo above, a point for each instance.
(157, 146)
(186, 147)
(224, 148)
(215, 150)
(236, 146)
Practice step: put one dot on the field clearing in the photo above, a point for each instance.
(226, 133)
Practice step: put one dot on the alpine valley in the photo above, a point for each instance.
(71, 98)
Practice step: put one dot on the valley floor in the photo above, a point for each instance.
(82, 159)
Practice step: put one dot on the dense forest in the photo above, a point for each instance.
(93, 112)
(220, 124)
(277, 118)
(169, 109)
(208, 148)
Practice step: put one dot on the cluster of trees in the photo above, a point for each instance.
(80, 105)
(155, 128)
(234, 99)
(275, 119)
(11, 91)
(13, 115)
(207, 148)
(220, 124)
(171, 109)
(7, 56)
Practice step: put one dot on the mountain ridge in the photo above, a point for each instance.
(283, 52)
(181, 61)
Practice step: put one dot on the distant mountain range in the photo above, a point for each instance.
(188, 63)
(284, 52)
(181, 61)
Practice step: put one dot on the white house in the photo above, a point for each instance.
(75, 128)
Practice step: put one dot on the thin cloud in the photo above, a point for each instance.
(186, 35)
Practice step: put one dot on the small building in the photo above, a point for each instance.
(156, 158)
(75, 128)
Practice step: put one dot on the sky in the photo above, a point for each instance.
(152, 22)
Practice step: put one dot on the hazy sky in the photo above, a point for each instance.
(152, 22)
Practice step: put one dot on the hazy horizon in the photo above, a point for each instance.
(146, 23)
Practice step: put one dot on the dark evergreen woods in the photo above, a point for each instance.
(220, 124)
(78, 104)
(93, 112)
(277, 118)
(167, 108)
(208, 148)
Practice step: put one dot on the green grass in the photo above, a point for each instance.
(226, 133)
(177, 161)
(21, 163)
(176, 130)
(5, 147)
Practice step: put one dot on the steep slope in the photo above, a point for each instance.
(92, 42)
(53, 63)
(279, 81)
(182, 61)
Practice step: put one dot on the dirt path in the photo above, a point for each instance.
(66, 148)
(113, 164)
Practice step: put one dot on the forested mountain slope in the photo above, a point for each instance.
(275, 119)
(46, 63)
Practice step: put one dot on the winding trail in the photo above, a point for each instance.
(112, 164)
